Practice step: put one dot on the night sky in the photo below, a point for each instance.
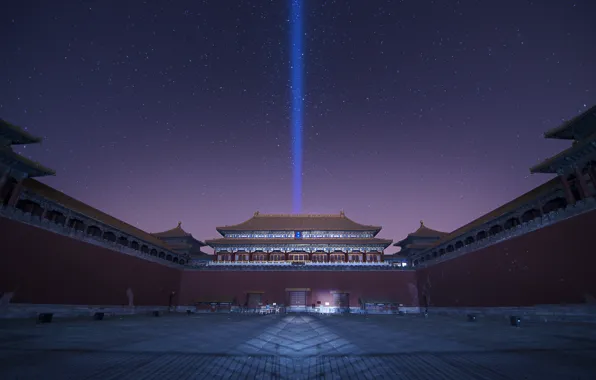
(165, 111)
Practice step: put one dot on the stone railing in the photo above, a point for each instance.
(288, 265)
(40, 222)
(306, 263)
(580, 207)
(330, 268)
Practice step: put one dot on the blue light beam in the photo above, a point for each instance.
(297, 71)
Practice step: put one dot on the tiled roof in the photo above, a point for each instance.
(405, 251)
(16, 135)
(313, 222)
(550, 165)
(176, 232)
(172, 233)
(179, 245)
(422, 232)
(576, 128)
(230, 241)
(15, 160)
(504, 209)
(419, 245)
(192, 249)
(48, 192)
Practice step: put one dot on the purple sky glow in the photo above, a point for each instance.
(158, 112)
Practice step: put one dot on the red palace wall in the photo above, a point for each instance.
(42, 267)
(553, 265)
(396, 286)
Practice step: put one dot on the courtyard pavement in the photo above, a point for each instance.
(294, 346)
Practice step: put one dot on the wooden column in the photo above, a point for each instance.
(4, 178)
(16, 193)
(568, 194)
(541, 208)
(583, 185)
(45, 212)
(592, 172)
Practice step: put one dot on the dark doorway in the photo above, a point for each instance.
(341, 301)
(298, 298)
(254, 300)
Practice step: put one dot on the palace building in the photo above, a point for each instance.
(183, 243)
(266, 238)
(420, 240)
(59, 253)
(14, 168)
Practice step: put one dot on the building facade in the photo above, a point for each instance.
(14, 168)
(300, 239)
(417, 241)
(29, 201)
(569, 194)
(184, 244)
(534, 250)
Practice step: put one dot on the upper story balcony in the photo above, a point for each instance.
(38, 211)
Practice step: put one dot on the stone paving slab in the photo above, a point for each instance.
(295, 347)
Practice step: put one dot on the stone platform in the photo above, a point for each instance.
(293, 346)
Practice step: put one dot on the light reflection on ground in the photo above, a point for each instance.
(227, 346)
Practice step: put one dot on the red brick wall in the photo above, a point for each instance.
(42, 267)
(553, 265)
(398, 286)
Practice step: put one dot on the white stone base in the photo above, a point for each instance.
(538, 313)
(17, 310)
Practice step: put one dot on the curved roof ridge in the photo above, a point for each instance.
(424, 230)
(340, 215)
(172, 232)
(299, 215)
(46, 191)
(317, 222)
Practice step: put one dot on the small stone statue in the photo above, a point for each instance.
(5, 298)
(130, 295)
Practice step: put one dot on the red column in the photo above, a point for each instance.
(16, 193)
(568, 194)
(583, 185)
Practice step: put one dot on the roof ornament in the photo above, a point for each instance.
(421, 223)
(256, 213)
(179, 225)
(342, 213)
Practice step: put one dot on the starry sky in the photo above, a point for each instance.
(165, 111)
